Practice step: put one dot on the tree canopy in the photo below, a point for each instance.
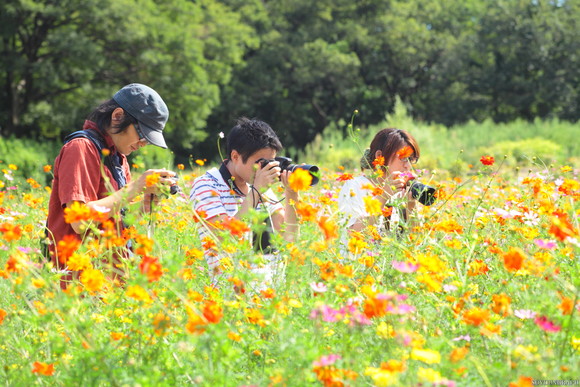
(297, 64)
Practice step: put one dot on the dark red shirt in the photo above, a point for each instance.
(79, 176)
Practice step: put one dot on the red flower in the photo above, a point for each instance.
(487, 160)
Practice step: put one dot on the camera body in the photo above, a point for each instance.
(285, 164)
(423, 193)
(174, 188)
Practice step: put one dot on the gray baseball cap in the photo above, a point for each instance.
(146, 105)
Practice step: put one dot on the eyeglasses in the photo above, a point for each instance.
(140, 133)
(410, 159)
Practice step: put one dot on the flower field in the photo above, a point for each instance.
(483, 291)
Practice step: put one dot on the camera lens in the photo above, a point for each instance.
(423, 193)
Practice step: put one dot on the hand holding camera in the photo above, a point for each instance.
(285, 164)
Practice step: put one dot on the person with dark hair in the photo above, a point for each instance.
(92, 166)
(242, 183)
(390, 157)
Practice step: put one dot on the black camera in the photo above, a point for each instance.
(286, 165)
(423, 193)
(174, 188)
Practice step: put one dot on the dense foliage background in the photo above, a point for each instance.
(302, 66)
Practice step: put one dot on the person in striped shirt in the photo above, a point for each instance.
(242, 184)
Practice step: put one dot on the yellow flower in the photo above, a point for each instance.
(78, 262)
(382, 377)
(200, 162)
(300, 180)
(385, 330)
(426, 356)
(372, 205)
(429, 375)
(234, 336)
(136, 292)
(93, 280)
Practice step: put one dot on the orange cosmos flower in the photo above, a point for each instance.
(306, 211)
(477, 267)
(375, 306)
(487, 160)
(501, 304)
(405, 151)
(151, 267)
(458, 354)
(566, 306)
(116, 336)
(200, 162)
(449, 226)
(136, 292)
(66, 247)
(475, 316)
(513, 259)
(328, 227)
(161, 323)
(144, 244)
(47, 168)
(379, 161)
(196, 324)
(523, 381)
(10, 232)
(254, 316)
(235, 226)
(570, 187)
(42, 368)
(268, 293)
(212, 312)
(181, 167)
(561, 227)
(93, 280)
(387, 211)
(345, 177)
(234, 336)
(208, 243)
(3, 314)
(152, 179)
(300, 180)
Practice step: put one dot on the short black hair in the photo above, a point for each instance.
(102, 117)
(249, 136)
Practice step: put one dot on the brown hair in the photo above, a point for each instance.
(389, 141)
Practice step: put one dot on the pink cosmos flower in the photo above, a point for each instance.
(524, 314)
(545, 244)
(405, 267)
(400, 309)
(449, 288)
(319, 287)
(327, 313)
(546, 324)
(463, 337)
(326, 360)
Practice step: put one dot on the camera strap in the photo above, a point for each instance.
(227, 176)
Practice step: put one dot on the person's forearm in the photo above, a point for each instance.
(290, 216)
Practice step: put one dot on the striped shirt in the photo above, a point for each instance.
(212, 196)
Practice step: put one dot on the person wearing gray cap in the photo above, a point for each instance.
(92, 168)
